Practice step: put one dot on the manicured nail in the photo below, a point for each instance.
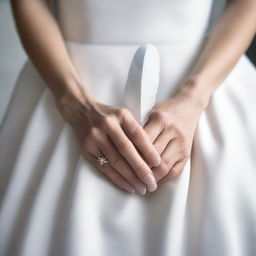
(140, 188)
(129, 188)
(151, 182)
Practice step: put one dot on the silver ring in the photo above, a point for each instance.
(102, 160)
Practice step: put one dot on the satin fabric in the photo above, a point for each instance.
(54, 202)
(118, 22)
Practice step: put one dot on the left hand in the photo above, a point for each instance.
(171, 127)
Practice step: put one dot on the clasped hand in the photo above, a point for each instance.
(139, 158)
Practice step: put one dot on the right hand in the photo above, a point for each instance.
(113, 132)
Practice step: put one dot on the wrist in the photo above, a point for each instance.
(74, 101)
(194, 90)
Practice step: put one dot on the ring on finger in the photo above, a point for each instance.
(102, 160)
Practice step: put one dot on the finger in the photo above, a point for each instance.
(162, 140)
(110, 172)
(169, 157)
(153, 127)
(174, 172)
(140, 139)
(117, 161)
(130, 153)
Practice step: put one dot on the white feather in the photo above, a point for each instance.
(142, 82)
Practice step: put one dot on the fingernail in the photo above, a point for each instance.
(129, 188)
(140, 188)
(150, 180)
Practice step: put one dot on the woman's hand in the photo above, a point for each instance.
(113, 132)
(171, 127)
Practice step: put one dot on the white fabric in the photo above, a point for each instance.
(53, 202)
(133, 21)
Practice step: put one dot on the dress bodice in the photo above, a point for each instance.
(136, 21)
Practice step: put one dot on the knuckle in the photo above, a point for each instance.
(116, 162)
(160, 115)
(175, 171)
(106, 121)
(121, 112)
(161, 172)
(93, 133)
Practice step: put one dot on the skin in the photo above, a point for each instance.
(99, 128)
(166, 139)
(173, 121)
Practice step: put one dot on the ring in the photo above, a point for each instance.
(102, 160)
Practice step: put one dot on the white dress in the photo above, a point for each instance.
(53, 202)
